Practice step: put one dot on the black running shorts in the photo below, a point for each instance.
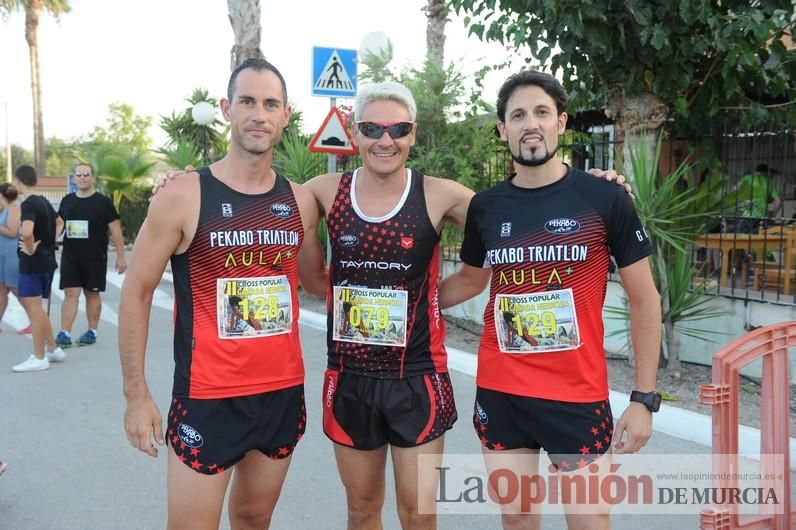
(212, 435)
(366, 412)
(90, 275)
(573, 434)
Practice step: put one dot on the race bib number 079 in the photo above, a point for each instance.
(253, 307)
(369, 316)
(536, 323)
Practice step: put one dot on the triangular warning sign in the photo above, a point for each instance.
(333, 137)
(334, 75)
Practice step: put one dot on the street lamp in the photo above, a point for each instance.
(203, 114)
(375, 44)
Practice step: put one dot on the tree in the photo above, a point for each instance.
(119, 152)
(244, 16)
(649, 61)
(33, 10)
(122, 176)
(437, 13)
(60, 157)
(186, 136)
(19, 157)
(125, 129)
(671, 216)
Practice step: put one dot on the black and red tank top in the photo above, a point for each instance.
(236, 306)
(383, 311)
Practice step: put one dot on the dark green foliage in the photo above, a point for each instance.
(133, 212)
(698, 56)
(294, 160)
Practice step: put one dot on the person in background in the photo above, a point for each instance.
(85, 217)
(758, 199)
(36, 269)
(9, 231)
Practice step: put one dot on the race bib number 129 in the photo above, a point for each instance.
(537, 322)
(253, 307)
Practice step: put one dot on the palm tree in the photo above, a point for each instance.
(122, 175)
(244, 16)
(437, 13)
(33, 10)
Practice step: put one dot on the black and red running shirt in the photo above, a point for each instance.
(395, 256)
(549, 249)
(236, 305)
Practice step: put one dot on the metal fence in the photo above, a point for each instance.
(738, 254)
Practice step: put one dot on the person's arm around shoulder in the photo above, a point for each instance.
(13, 222)
(473, 276)
(164, 233)
(612, 176)
(449, 197)
(645, 330)
(312, 270)
(324, 189)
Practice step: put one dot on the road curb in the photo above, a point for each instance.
(671, 420)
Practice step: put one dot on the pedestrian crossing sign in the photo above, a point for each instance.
(334, 72)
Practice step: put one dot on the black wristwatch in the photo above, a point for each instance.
(651, 400)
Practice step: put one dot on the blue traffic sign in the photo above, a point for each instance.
(334, 72)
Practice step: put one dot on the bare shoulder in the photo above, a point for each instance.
(324, 188)
(447, 190)
(446, 200)
(323, 182)
(303, 195)
(180, 197)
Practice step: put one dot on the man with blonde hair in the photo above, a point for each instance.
(384, 223)
(386, 391)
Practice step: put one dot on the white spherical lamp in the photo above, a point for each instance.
(203, 113)
(375, 43)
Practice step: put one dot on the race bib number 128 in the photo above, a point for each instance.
(253, 307)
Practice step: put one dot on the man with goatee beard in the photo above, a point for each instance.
(545, 237)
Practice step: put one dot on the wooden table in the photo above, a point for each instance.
(745, 242)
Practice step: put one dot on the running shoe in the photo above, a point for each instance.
(56, 356)
(32, 364)
(89, 337)
(63, 340)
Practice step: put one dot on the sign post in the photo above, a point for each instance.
(334, 74)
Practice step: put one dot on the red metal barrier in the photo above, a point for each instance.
(770, 344)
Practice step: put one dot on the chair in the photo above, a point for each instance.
(779, 274)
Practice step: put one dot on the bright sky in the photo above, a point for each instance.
(152, 53)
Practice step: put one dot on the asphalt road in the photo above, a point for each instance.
(70, 465)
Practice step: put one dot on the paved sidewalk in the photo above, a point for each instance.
(70, 465)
